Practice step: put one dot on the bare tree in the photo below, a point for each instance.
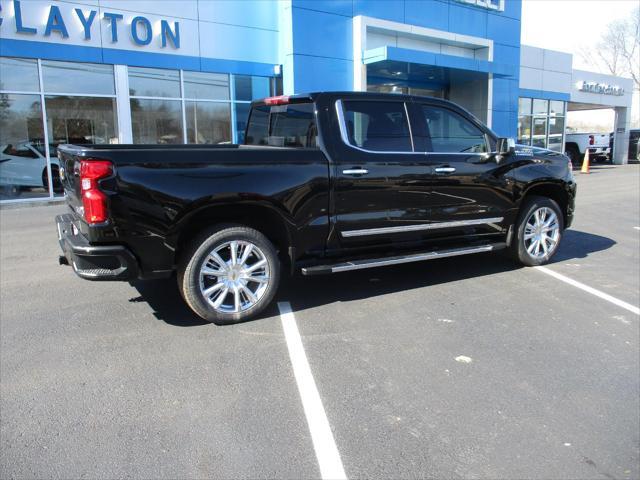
(618, 50)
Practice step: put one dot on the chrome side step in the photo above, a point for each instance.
(416, 257)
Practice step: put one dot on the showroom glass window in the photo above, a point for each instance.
(23, 165)
(80, 102)
(156, 105)
(541, 123)
(174, 106)
(208, 109)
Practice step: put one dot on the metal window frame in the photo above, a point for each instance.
(45, 123)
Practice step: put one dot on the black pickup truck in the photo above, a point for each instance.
(324, 183)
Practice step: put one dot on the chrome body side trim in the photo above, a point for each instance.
(422, 226)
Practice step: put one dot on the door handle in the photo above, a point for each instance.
(355, 171)
(445, 169)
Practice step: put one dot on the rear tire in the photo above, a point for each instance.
(574, 155)
(538, 231)
(229, 274)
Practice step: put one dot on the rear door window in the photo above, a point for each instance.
(377, 126)
(292, 125)
(450, 132)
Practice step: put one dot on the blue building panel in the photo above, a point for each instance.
(322, 34)
(505, 124)
(427, 13)
(337, 7)
(503, 29)
(507, 54)
(252, 13)
(544, 94)
(467, 20)
(513, 9)
(320, 73)
(505, 94)
(384, 9)
(50, 51)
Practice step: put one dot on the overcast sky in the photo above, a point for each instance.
(568, 25)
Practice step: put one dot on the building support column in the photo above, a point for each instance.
(619, 156)
(359, 46)
(125, 131)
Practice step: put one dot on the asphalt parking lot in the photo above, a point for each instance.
(457, 368)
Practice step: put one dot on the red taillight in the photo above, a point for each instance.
(592, 140)
(279, 100)
(93, 200)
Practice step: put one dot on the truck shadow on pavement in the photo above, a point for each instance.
(309, 292)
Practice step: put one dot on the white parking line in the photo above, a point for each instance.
(591, 290)
(321, 435)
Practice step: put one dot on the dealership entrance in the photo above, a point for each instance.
(468, 89)
(617, 124)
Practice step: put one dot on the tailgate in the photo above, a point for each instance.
(600, 140)
(70, 177)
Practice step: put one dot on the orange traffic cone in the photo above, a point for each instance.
(585, 163)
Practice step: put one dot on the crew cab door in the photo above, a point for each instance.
(380, 180)
(466, 197)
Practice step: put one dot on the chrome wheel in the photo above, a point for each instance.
(541, 232)
(234, 276)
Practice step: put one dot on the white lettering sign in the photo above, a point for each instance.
(601, 88)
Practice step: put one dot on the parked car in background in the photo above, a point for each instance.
(24, 165)
(634, 146)
(576, 145)
(325, 183)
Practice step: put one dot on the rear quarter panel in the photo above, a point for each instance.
(156, 192)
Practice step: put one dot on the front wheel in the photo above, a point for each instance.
(229, 274)
(538, 231)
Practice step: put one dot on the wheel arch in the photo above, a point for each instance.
(264, 217)
(554, 191)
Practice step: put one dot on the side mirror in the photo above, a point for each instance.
(506, 146)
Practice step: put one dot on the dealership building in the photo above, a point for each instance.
(110, 71)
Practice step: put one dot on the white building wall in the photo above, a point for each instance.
(546, 70)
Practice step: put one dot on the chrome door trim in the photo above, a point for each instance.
(419, 227)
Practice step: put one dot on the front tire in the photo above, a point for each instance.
(538, 231)
(229, 274)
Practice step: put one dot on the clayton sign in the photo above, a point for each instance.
(141, 29)
(601, 88)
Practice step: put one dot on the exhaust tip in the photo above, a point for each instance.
(62, 260)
